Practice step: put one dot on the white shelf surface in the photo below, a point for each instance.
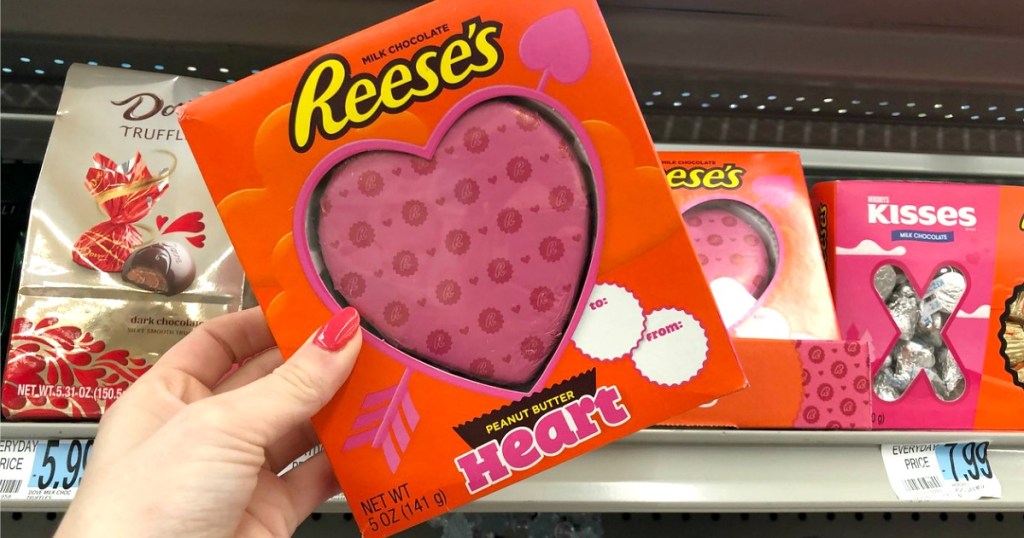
(703, 471)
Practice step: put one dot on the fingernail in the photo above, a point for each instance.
(334, 334)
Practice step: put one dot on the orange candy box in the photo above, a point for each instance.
(750, 221)
(477, 180)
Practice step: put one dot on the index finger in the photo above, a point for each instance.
(209, 351)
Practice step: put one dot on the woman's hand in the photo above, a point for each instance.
(187, 451)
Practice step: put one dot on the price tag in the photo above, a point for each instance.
(42, 469)
(16, 459)
(941, 471)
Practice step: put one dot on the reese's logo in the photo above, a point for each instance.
(728, 176)
(329, 100)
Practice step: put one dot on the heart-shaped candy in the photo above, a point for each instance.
(466, 254)
(736, 245)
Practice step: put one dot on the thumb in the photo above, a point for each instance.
(279, 402)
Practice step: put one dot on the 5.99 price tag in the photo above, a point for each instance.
(941, 471)
(42, 469)
(59, 464)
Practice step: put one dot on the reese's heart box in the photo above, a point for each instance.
(476, 179)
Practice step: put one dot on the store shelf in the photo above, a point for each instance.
(868, 88)
(704, 471)
(861, 75)
(25, 137)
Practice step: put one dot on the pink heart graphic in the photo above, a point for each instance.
(431, 336)
(160, 221)
(198, 241)
(558, 45)
(191, 222)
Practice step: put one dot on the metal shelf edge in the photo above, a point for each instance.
(704, 471)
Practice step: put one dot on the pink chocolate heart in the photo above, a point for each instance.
(733, 241)
(443, 281)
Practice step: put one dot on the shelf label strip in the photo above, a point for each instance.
(32, 469)
(944, 471)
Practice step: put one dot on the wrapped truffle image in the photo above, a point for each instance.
(920, 320)
(472, 259)
(126, 193)
(166, 268)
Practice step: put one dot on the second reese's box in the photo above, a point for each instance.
(749, 217)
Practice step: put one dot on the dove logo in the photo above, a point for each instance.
(143, 106)
(926, 215)
(330, 100)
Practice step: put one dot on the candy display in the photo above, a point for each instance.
(487, 196)
(748, 216)
(125, 253)
(942, 260)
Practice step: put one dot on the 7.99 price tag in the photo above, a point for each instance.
(941, 471)
(964, 461)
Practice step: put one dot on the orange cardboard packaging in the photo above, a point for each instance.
(751, 224)
(794, 384)
(477, 180)
(749, 217)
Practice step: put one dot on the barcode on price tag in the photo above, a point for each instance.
(42, 469)
(941, 471)
(10, 485)
(16, 459)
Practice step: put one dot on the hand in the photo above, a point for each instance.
(187, 451)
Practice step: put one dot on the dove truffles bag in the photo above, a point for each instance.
(476, 179)
(929, 275)
(125, 251)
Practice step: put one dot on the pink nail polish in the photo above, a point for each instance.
(334, 334)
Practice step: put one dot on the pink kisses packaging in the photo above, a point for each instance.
(925, 273)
